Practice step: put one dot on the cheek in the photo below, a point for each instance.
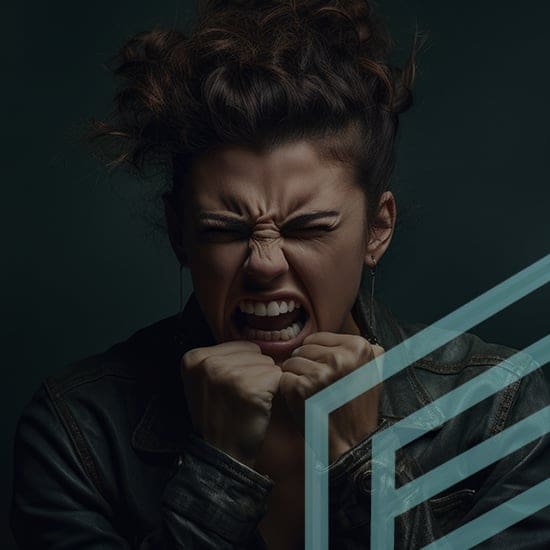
(213, 268)
(337, 256)
(217, 259)
(330, 274)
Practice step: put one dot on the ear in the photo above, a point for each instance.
(175, 228)
(381, 228)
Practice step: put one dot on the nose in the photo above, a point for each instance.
(266, 260)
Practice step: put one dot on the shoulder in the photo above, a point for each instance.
(91, 405)
(463, 356)
(137, 366)
(122, 377)
(509, 382)
(127, 361)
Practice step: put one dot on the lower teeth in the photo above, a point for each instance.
(274, 335)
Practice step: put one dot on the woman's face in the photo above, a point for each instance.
(275, 243)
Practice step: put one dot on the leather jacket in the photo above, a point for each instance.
(105, 456)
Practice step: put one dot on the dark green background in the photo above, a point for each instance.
(83, 268)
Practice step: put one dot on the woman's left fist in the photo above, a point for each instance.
(323, 358)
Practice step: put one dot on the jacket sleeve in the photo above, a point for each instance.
(212, 501)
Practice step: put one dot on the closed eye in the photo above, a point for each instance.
(222, 233)
(309, 231)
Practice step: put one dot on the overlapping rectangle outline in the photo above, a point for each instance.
(384, 444)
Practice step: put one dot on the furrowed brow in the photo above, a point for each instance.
(296, 222)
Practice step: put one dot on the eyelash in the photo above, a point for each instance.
(319, 228)
(314, 228)
(211, 231)
(222, 232)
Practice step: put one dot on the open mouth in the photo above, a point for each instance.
(275, 321)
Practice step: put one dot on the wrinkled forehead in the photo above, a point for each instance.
(281, 180)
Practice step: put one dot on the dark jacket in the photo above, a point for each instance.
(105, 457)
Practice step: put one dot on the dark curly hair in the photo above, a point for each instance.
(259, 74)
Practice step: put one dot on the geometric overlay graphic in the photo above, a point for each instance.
(387, 502)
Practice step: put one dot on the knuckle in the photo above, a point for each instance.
(211, 369)
(191, 358)
(338, 362)
(325, 377)
(333, 363)
(361, 348)
(361, 345)
(318, 378)
(209, 364)
(252, 346)
(378, 350)
(290, 363)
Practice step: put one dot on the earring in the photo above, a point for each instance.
(372, 338)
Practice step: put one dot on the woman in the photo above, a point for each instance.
(189, 434)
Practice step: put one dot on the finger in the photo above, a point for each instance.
(302, 366)
(214, 363)
(247, 381)
(263, 377)
(289, 385)
(196, 355)
(340, 358)
(315, 375)
(260, 382)
(296, 388)
(315, 351)
(243, 358)
(327, 338)
(377, 349)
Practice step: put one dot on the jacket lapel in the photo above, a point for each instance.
(165, 422)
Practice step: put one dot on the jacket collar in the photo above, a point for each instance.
(165, 421)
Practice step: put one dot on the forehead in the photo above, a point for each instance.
(282, 179)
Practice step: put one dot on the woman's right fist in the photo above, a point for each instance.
(229, 389)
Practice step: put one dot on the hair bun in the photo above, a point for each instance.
(356, 12)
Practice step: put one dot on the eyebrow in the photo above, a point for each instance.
(297, 221)
(228, 222)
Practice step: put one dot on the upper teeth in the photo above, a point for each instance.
(269, 309)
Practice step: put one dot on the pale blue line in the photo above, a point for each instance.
(316, 489)
(434, 336)
(383, 488)
(475, 459)
(386, 503)
(467, 395)
(496, 520)
(395, 360)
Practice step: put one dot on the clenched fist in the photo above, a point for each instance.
(229, 389)
(324, 358)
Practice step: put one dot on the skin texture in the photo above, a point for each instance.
(239, 240)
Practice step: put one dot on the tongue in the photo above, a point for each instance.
(271, 323)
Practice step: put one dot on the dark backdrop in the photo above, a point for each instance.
(83, 268)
